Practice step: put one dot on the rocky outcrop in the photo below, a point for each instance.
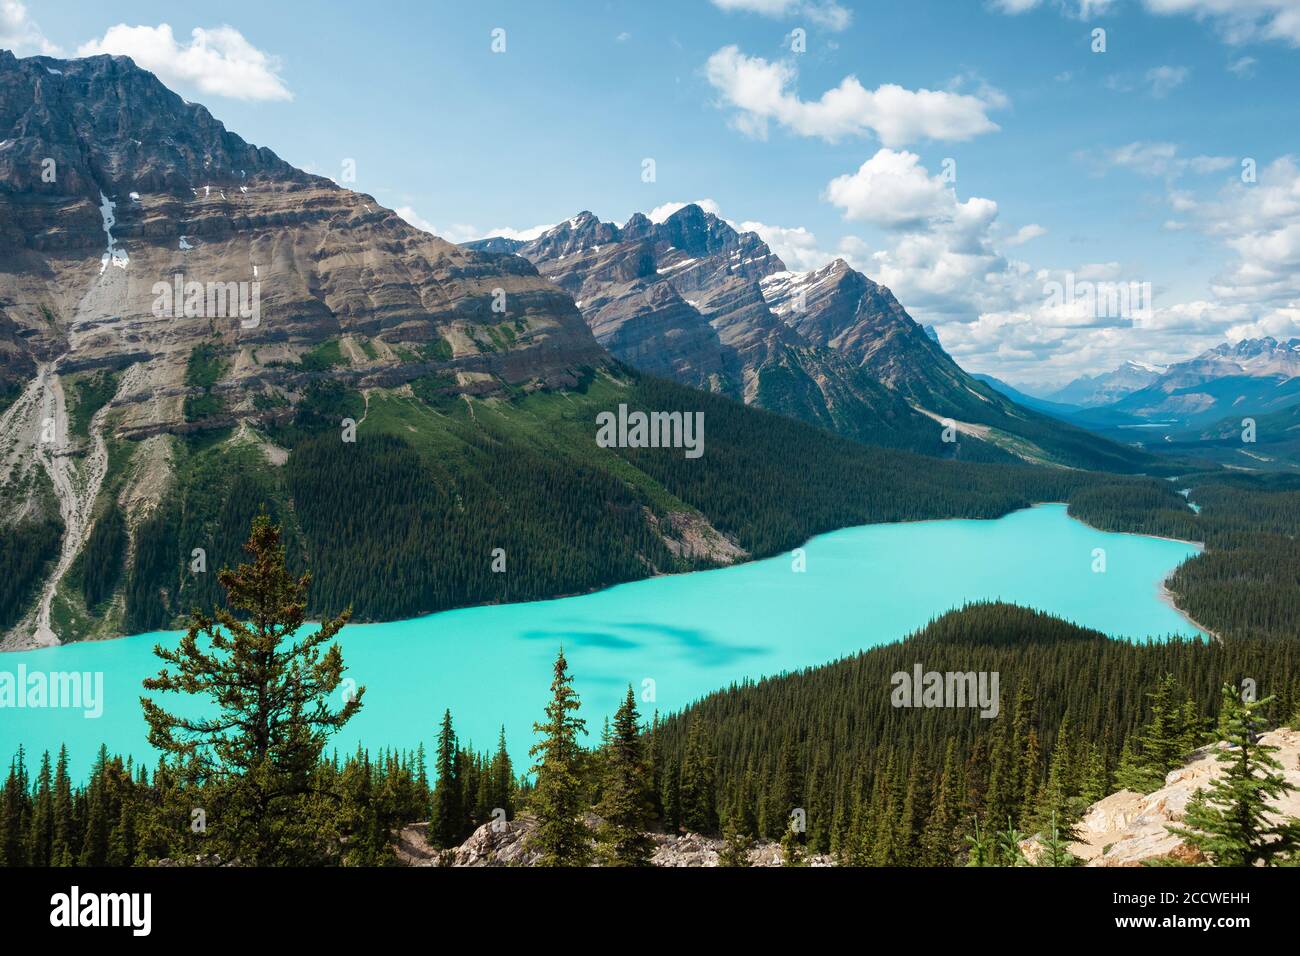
(1127, 828)
(507, 844)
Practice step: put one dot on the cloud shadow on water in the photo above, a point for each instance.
(610, 642)
(695, 644)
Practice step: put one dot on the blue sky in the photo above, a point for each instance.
(1071, 166)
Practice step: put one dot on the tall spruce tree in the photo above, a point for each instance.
(624, 806)
(502, 776)
(937, 839)
(446, 826)
(789, 790)
(562, 836)
(64, 825)
(270, 686)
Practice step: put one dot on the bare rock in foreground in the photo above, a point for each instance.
(1127, 828)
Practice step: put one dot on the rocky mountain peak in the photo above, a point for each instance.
(696, 232)
(112, 127)
(638, 226)
(583, 232)
(1264, 356)
(1254, 348)
(693, 299)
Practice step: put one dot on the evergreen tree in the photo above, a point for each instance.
(13, 833)
(1173, 729)
(981, 847)
(1134, 773)
(502, 779)
(672, 802)
(624, 806)
(937, 838)
(94, 846)
(561, 835)
(1056, 847)
(1227, 819)
(61, 847)
(1001, 797)
(40, 841)
(446, 826)
(735, 847)
(1164, 735)
(1009, 852)
(271, 686)
(915, 811)
(789, 790)
(792, 853)
(698, 798)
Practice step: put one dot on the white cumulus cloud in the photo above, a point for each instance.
(1240, 21)
(20, 33)
(763, 92)
(217, 61)
(893, 190)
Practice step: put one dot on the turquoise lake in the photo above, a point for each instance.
(689, 634)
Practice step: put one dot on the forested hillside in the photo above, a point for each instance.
(1081, 715)
(873, 783)
(407, 519)
(1247, 582)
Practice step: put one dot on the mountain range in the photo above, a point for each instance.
(1252, 376)
(693, 299)
(1089, 391)
(1195, 409)
(192, 330)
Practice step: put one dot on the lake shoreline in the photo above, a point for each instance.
(1166, 596)
(355, 622)
(678, 637)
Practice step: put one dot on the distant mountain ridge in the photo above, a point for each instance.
(1250, 376)
(1105, 388)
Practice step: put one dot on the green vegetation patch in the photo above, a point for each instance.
(437, 350)
(205, 366)
(323, 357)
(90, 393)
